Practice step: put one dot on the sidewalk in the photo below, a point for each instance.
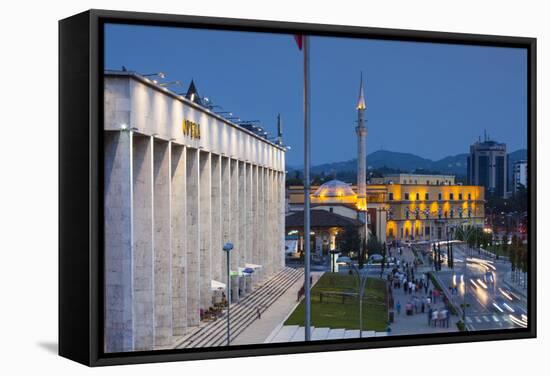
(274, 317)
(518, 289)
(416, 323)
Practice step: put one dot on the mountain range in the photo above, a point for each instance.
(406, 162)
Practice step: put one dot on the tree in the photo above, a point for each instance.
(438, 256)
(349, 240)
(434, 256)
(362, 253)
(374, 247)
(448, 255)
(384, 251)
(513, 255)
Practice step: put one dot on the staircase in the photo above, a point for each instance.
(243, 313)
(295, 333)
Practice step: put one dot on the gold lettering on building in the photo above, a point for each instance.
(191, 129)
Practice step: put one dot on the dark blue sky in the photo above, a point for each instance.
(432, 100)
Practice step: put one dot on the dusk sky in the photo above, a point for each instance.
(432, 100)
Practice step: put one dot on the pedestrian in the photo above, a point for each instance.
(430, 312)
(422, 306)
(259, 312)
(445, 318)
(435, 317)
(398, 307)
(442, 317)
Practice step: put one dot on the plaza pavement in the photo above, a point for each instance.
(274, 317)
(417, 323)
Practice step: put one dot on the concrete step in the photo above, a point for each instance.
(244, 312)
(267, 299)
(320, 334)
(353, 333)
(286, 332)
(336, 334)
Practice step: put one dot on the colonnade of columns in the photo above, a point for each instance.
(168, 210)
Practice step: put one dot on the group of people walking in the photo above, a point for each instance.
(420, 296)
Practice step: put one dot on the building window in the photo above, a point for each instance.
(427, 230)
(469, 196)
(406, 196)
(426, 196)
(439, 196)
(451, 196)
(460, 196)
(417, 196)
(391, 196)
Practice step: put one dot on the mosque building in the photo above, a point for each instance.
(398, 207)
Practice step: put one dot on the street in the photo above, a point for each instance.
(480, 283)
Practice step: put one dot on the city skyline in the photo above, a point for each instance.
(425, 97)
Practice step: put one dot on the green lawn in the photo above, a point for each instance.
(332, 313)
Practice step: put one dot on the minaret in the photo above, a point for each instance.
(361, 131)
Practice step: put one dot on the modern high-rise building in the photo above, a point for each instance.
(487, 167)
(519, 175)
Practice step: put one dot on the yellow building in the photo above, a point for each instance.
(400, 211)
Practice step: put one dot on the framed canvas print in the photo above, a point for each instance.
(238, 187)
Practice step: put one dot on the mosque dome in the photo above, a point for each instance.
(334, 188)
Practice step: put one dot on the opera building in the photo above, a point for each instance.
(399, 207)
(179, 182)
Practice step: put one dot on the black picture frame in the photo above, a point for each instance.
(80, 185)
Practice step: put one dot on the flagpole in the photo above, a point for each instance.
(307, 224)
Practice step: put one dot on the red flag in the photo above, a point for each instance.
(299, 38)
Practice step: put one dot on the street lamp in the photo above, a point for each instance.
(227, 249)
(361, 282)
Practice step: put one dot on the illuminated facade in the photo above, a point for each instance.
(402, 178)
(401, 211)
(179, 182)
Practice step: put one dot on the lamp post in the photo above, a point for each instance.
(361, 283)
(227, 249)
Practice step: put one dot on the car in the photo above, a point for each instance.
(376, 258)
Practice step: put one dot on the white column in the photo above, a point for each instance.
(256, 231)
(143, 243)
(269, 221)
(235, 229)
(282, 219)
(179, 246)
(162, 235)
(234, 235)
(242, 214)
(119, 334)
(249, 225)
(193, 245)
(217, 213)
(226, 208)
(205, 226)
(262, 259)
